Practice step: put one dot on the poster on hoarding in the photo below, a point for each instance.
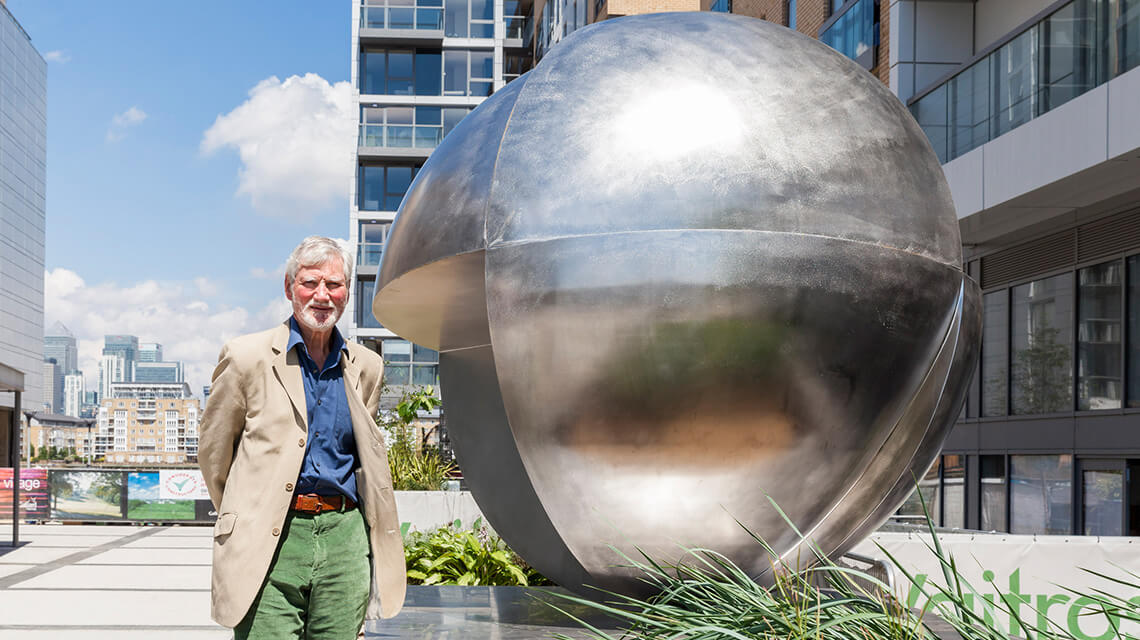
(1042, 577)
(33, 493)
(145, 499)
(182, 484)
(86, 495)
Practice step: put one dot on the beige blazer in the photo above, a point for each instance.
(250, 447)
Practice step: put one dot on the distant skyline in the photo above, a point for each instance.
(189, 149)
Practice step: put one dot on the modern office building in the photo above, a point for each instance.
(52, 399)
(23, 159)
(117, 364)
(158, 371)
(61, 348)
(417, 67)
(150, 352)
(148, 423)
(1034, 109)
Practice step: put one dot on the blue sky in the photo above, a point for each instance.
(190, 146)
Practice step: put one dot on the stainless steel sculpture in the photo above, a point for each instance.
(687, 262)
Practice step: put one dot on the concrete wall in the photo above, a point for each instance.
(996, 18)
(427, 510)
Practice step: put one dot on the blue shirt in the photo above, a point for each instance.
(330, 455)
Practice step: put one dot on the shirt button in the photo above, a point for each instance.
(288, 486)
(301, 442)
(276, 531)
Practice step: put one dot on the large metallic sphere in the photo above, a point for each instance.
(688, 262)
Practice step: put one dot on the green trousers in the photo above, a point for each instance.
(318, 582)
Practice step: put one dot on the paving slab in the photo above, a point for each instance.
(112, 578)
(142, 556)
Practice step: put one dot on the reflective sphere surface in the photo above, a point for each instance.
(689, 262)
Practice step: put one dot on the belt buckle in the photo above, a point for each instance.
(308, 504)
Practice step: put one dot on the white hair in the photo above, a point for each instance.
(313, 251)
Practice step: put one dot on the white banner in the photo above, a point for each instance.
(181, 484)
(1033, 573)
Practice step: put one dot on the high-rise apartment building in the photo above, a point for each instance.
(23, 161)
(417, 68)
(148, 423)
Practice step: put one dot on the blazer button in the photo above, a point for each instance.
(288, 486)
(276, 531)
(301, 442)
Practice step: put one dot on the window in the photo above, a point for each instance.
(408, 363)
(1041, 490)
(469, 19)
(468, 73)
(928, 486)
(364, 317)
(995, 352)
(382, 188)
(1133, 331)
(401, 127)
(855, 32)
(1041, 361)
(993, 492)
(370, 248)
(1098, 336)
(954, 491)
(401, 14)
(401, 72)
(721, 6)
(791, 14)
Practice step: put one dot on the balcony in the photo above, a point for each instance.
(1076, 48)
(407, 21)
(368, 254)
(519, 32)
(381, 141)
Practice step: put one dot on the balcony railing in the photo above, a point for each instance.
(1074, 49)
(519, 28)
(403, 136)
(402, 14)
(369, 253)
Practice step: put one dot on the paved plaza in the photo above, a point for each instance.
(87, 582)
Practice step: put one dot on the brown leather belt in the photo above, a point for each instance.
(312, 503)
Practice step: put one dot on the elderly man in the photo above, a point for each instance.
(298, 472)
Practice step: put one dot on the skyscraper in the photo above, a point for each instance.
(23, 161)
(52, 401)
(59, 343)
(74, 389)
(120, 353)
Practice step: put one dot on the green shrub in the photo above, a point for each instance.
(414, 465)
(453, 555)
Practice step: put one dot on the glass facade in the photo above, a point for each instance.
(855, 32)
(469, 18)
(995, 353)
(372, 236)
(1081, 45)
(1099, 333)
(994, 490)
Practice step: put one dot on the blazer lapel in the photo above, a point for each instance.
(288, 371)
(360, 419)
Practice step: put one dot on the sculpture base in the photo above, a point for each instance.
(483, 613)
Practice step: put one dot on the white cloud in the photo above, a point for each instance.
(295, 140)
(62, 57)
(176, 315)
(123, 121)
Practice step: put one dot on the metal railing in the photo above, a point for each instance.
(1074, 49)
(402, 136)
(402, 14)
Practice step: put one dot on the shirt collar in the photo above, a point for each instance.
(337, 341)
